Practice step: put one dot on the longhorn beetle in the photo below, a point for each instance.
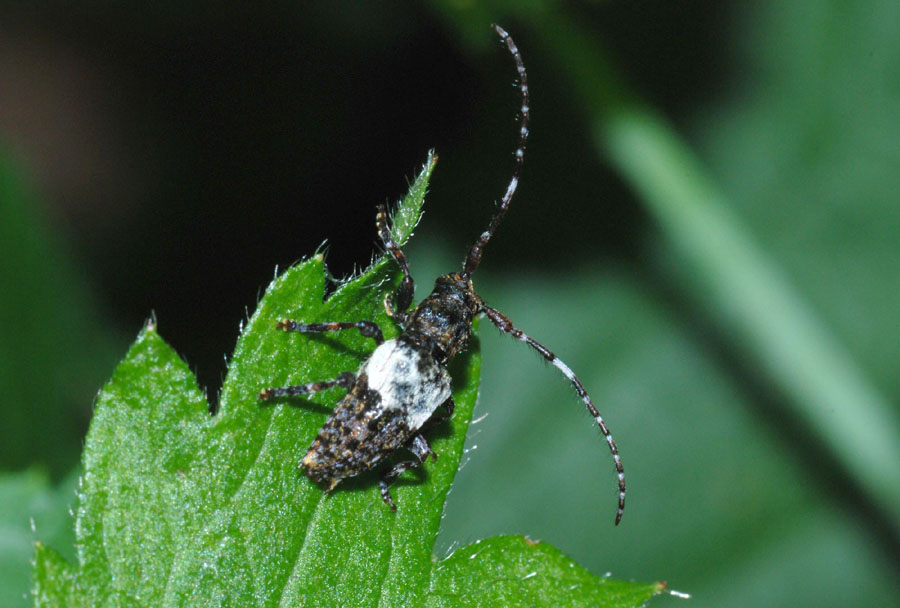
(400, 387)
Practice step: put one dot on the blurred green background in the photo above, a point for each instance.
(707, 231)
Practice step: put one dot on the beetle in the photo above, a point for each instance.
(404, 382)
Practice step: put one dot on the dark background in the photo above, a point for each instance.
(185, 153)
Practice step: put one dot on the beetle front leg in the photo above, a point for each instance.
(397, 304)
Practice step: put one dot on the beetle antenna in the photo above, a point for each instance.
(474, 257)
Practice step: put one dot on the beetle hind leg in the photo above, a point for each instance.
(421, 450)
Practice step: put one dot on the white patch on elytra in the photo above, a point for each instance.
(406, 381)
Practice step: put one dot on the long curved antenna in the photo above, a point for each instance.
(474, 257)
(503, 323)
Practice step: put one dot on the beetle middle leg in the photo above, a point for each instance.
(442, 414)
(344, 380)
(448, 406)
(369, 329)
(420, 449)
(397, 304)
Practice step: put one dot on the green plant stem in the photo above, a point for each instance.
(767, 320)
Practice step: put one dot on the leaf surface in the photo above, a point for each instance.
(515, 571)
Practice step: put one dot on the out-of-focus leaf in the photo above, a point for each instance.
(808, 149)
(31, 507)
(713, 497)
(53, 351)
(713, 484)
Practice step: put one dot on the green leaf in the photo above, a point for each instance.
(54, 351)
(54, 580)
(741, 287)
(180, 508)
(30, 506)
(514, 571)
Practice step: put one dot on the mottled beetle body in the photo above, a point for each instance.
(399, 389)
(396, 392)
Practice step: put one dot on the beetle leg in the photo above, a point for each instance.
(396, 305)
(344, 380)
(420, 449)
(369, 329)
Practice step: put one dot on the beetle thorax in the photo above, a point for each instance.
(442, 322)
